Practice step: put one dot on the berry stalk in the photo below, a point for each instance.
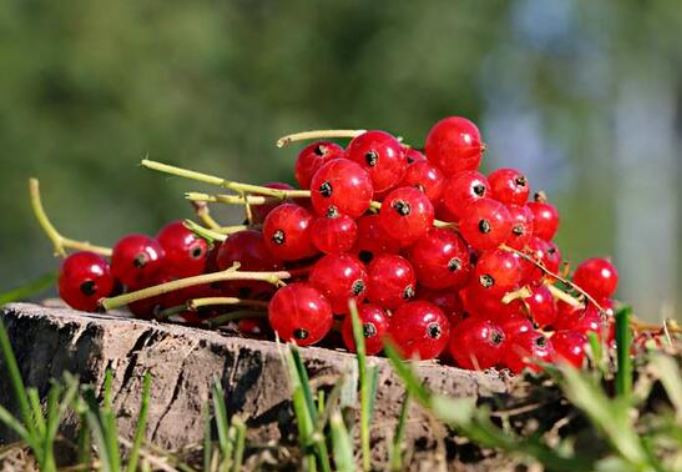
(199, 197)
(234, 316)
(59, 242)
(197, 303)
(204, 214)
(318, 134)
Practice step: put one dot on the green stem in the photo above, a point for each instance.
(234, 316)
(319, 134)
(214, 301)
(208, 234)
(59, 242)
(199, 197)
(204, 214)
(274, 278)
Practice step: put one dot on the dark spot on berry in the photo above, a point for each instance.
(365, 256)
(402, 207)
(278, 237)
(358, 287)
(88, 288)
(197, 252)
(521, 181)
(371, 158)
(454, 264)
(551, 250)
(320, 150)
(479, 189)
(332, 212)
(300, 333)
(408, 293)
(369, 330)
(409, 160)
(419, 187)
(326, 189)
(484, 226)
(540, 341)
(433, 330)
(496, 337)
(486, 281)
(140, 260)
(518, 230)
(473, 258)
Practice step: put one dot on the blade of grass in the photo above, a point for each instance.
(365, 384)
(240, 444)
(623, 343)
(33, 287)
(13, 423)
(109, 424)
(396, 446)
(38, 417)
(141, 426)
(304, 382)
(412, 382)
(222, 423)
(342, 444)
(669, 374)
(208, 443)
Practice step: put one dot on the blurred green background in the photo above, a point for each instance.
(584, 96)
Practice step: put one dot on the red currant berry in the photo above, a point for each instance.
(375, 323)
(447, 300)
(85, 278)
(509, 186)
(334, 234)
(300, 313)
(372, 239)
(584, 321)
(441, 259)
(541, 306)
(498, 271)
(419, 329)
(570, 347)
(426, 177)
(515, 324)
(486, 225)
(521, 228)
(287, 232)
(597, 276)
(136, 259)
(340, 277)
(252, 327)
(260, 212)
(482, 302)
(543, 252)
(391, 281)
(341, 186)
(185, 252)
(407, 214)
(477, 343)
(545, 217)
(461, 189)
(454, 144)
(380, 154)
(312, 157)
(413, 155)
(527, 350)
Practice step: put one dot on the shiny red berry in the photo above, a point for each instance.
(477, 343)
(541, 306)
(375, 323)
(84, 278)
(300, 313)
(498, 271)
(543, 252)
(380, 154)
(454, 144)
(287, 232)
(528, 350)
(486, 224)
(521, 227)
(509, 186)
(340, 278)
(583, 320)
(407, 214)
(485, 303)
(413, 155)
(570, 347)
(136, 259)
(441, 259)
(419, 329)
(312, 157)
(185, 252)
(260, 212)
(447, 300)
(334, 234)
(426, 177)
(341, 186)
(392, 281)
(372, 239)
(461, 189)
(515, 324)
(545, 217)
(597, 276)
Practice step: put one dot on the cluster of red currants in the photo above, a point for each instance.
(440, 259)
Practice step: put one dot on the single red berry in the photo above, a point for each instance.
(287, 232)
(461, 189)
(300, 313)
(488, 304)
(553, 258)
(570, 347)
(477, 343)
(521, 228)
(407, 214)
(545, 217)
(426, 177)
(340, 277)
(447, 300)
(441, 259)
(486, 224)
(543, 252)
(312, 157)
(341, 186)
(583, 320)
(334, 234)
(375, 323)
(498, 271)
(84, 278)
(392, 281)
(372, 239)
(509, 186)
(260, 212)
(136, 258)
(413, 155)
(380, 154)
(541, 306)
(185, 252)
(454, 144)
(253, 327)
(597, 276)
(527, 350)
(514, 325)
(419, 329)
